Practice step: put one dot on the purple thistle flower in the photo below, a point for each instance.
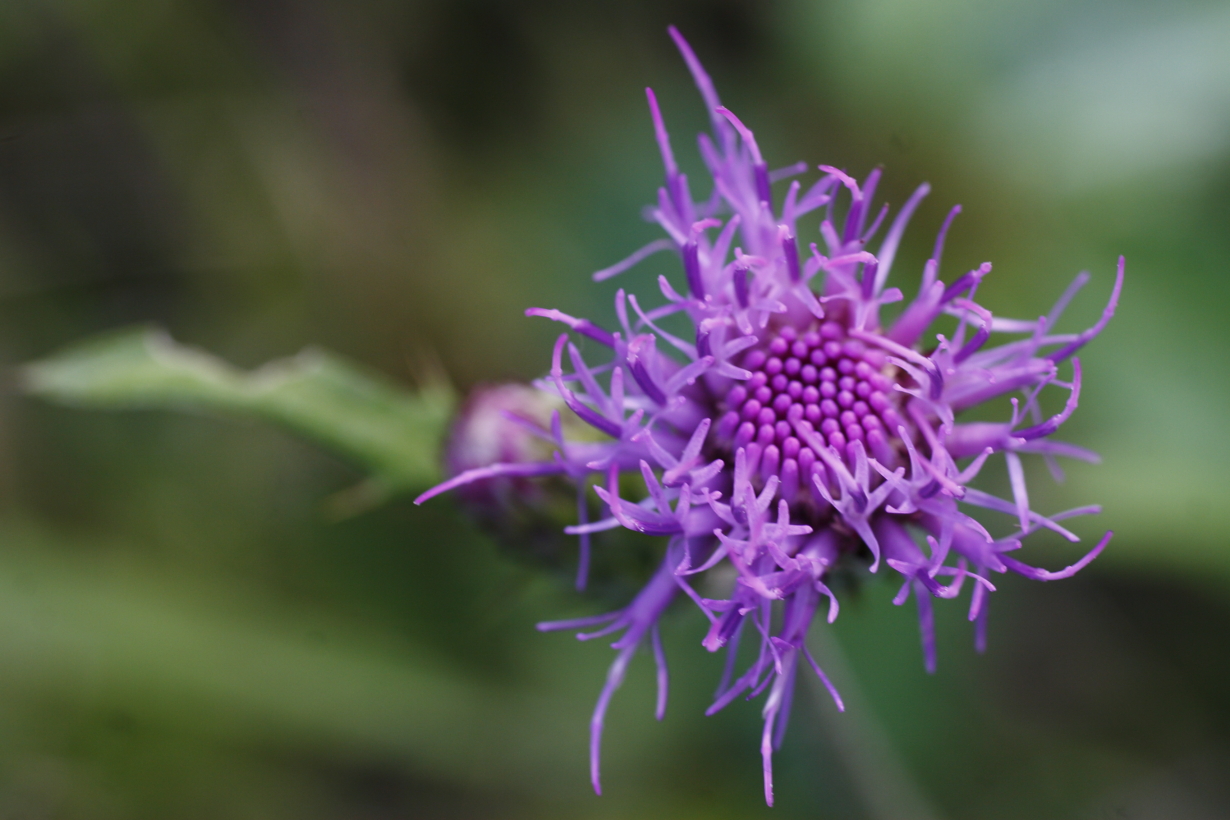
(795, 430)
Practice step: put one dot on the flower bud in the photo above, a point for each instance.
(510, 424)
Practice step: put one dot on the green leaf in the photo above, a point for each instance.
(392, 433)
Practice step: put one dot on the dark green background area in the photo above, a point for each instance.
(187, 632)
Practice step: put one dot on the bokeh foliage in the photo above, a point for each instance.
(393, 435)
(188, 628)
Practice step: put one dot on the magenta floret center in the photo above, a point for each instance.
(835, 386)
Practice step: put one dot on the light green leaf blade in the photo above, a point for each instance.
(391, 432)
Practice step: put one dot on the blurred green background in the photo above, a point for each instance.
(188, 630)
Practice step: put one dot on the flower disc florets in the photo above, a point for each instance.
(795, 429)
(822, 381)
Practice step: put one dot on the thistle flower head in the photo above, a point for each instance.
(794, 429)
